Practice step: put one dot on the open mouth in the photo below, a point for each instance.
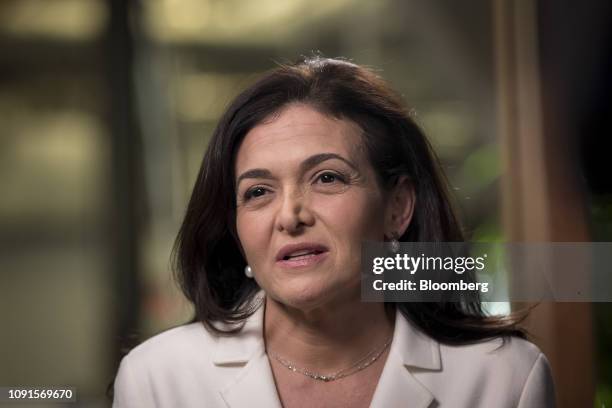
(302, 255)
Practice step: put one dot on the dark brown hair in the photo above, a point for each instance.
(208, 258)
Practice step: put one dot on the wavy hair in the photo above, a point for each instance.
(208, 258)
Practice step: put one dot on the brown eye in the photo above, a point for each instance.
(254, 192)
(328, 178)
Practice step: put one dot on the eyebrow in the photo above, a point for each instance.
(306, 165)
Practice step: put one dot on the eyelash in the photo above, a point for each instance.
(248, 195)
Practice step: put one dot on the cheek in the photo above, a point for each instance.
(354, 217)
(251, 230)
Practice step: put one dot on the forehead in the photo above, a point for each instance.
(299, 131)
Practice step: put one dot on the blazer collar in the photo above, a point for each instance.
(242, 346)
(410, 351)
(253, 386)
(413, 347)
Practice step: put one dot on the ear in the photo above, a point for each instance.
(399, 207)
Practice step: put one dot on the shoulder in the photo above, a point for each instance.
(494, 353)
(511, 366)
(172, 368)
(172, 348)
(193, 349)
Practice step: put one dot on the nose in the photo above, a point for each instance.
(294, 213)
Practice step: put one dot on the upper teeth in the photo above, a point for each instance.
(302, 252)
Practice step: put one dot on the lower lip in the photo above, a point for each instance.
(302, 262)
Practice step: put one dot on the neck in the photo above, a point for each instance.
(329, 337)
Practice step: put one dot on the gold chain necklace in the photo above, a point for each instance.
(361, 364)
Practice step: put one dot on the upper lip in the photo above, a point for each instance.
(309, 246)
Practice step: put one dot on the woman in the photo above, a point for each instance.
(306, 164)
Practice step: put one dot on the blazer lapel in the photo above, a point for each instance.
(410, 351)
(253, 385)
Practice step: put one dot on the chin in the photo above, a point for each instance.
(303, 298)
(310, 295)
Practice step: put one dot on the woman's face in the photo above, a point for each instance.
(306, 199)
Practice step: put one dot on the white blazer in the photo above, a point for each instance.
(189, 367)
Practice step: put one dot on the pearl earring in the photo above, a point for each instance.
(248, 271)
(394, 244)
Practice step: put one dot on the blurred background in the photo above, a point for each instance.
(106, 107)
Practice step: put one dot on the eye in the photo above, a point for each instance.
(254, 192)
(328, 178)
